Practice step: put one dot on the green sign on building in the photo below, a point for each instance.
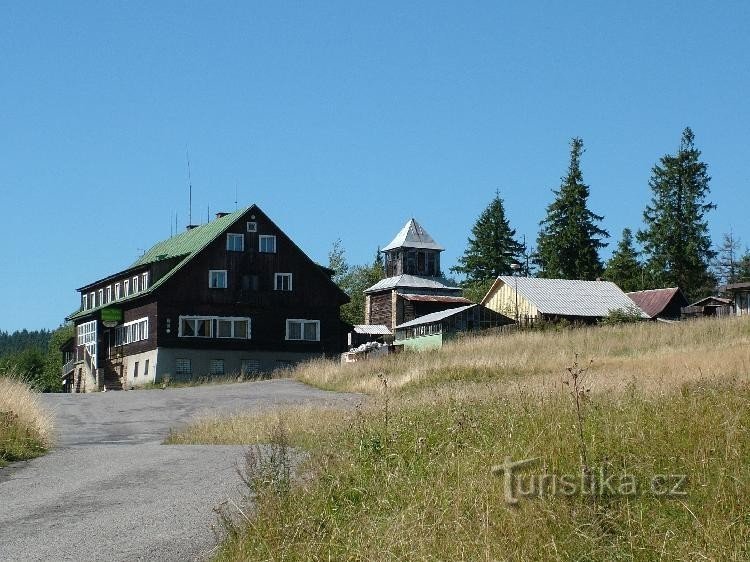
(111, 315)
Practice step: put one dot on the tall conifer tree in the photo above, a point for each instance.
(569, 241)
(623, 268)
(492, 246)
(675, 237)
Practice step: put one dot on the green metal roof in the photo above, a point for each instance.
(185, 245)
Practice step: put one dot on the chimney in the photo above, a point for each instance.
(221, 214)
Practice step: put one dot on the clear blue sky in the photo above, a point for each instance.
(342, 120)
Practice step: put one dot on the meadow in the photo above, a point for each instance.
(637, 439)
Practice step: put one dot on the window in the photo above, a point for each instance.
(134, 287)
(135, 370)
(118, 293)
(145, 367)
(267, 244)
(183, 367)
(131, 332)
(126, 287)
(250, 367)
(214, 327)
(109, 294)
(283, 282)
(235, 242)
(84, 302)
(217, 278)
(250, 282)
(252, 227)
(144, 281)
(87, 333)
(217, 367)
(304, 330)
(101, 297)
(92, 300)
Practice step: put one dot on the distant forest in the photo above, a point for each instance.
(22, 340)
(34, 356)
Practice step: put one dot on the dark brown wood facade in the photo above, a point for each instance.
(250, 292)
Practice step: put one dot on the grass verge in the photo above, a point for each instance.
(25, 429)
(664, 411)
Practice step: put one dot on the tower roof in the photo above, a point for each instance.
(413, 236)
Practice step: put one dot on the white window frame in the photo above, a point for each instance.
(134, 285)
(278, 276)
(264, 237)
(84, 301)
(100, 296)
(92, 299)
(302, 322)
(126, 288)
(131, 332)
(118, 291)
(213, 326)
(144, 281)
(232, 238)
(109, 293)
(210, 275)
(252, 226)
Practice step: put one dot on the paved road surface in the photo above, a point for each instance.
(110, 491)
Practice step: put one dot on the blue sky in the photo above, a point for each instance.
(342, 120)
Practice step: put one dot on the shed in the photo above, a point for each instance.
(530, 299)
(432, 330)
(664, 304)
(739, 293)
(364, 333)
(708, 306)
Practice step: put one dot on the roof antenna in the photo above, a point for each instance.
(208, 214)
(190, 189)
(235, 196)
(170, 225)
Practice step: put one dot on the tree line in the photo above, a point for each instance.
(34, 356)
(675, 245)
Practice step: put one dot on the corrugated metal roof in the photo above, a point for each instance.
(409, 281)
(719, 301)
(413, 236)
(654, 301)
(436, 298)
(565, 297)
(372, 329)
(435, 316)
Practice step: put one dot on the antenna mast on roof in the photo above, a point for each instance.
(190, 189)
(235, 196)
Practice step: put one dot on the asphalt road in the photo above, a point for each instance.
(110, 491)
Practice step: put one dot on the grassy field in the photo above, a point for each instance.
(638, 438)
(24, 427)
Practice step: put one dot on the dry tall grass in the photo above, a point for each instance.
(25, 427)
(655, 357)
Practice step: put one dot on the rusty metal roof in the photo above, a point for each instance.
(654, 301)
(412, 235)
(436, 298)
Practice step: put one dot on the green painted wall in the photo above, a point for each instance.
(435, 341)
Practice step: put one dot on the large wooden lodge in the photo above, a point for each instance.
(235, 295)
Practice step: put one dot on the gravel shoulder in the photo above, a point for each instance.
(110, 490)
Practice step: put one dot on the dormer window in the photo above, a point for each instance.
(101, 297)
(126, 287)
(118, 292)
(84, 302)
(235, 242)
(92, 299)
(135, 284)
(109, 294)
(267, 244)
(144, 281)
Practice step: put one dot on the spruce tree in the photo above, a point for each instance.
(675, 237)
(569, 241)
(492, 246)
(727, 262)
(623, 268)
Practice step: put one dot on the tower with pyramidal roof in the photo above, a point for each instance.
(414, 285)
